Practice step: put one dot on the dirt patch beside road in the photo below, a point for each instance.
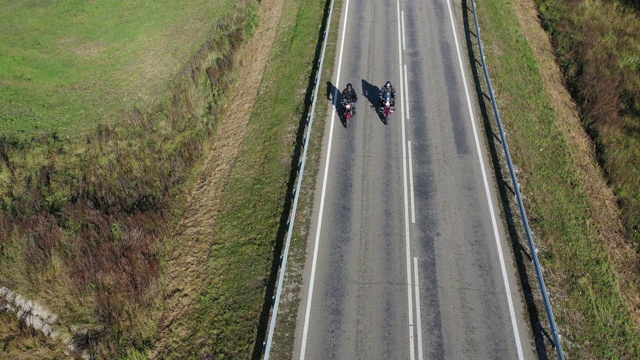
(606, 213)
(193, 240)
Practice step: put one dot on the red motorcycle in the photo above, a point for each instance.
(386, 107)
(348, 109)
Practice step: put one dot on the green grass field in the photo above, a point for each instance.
(64, 66)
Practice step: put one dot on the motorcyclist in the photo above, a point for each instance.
(349, 95)
(388, 88)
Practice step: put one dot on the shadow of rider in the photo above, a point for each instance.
(372, 93)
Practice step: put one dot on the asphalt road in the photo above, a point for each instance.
(406, 258)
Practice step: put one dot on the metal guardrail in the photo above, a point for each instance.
(532, 246)
(292, 216)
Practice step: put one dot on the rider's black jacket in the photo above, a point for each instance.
(349, 95)
(384, 90)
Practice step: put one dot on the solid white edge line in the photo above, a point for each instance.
(406, 205)
(488, 194)
(413, 204)
(418, 316)
(404, 47)
(305, 332)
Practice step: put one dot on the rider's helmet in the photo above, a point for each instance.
(387, 85)
(349, 86)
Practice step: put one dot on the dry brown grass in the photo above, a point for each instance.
(21, 343)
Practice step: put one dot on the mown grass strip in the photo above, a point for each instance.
(590, 310)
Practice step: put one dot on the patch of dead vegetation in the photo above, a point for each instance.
(606, 214)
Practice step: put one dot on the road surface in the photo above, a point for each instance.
(407, 257)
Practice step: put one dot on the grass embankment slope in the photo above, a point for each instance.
(92, 177)
(588, 293)
(255, 195)
(598, 47)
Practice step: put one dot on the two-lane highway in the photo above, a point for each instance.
(406, 257)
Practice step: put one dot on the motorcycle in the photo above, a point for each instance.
(348, 110)
(385, 109)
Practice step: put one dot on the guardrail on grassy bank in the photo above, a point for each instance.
(292, 216)
(532, 246)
